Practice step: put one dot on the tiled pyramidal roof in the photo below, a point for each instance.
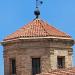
(36, 28)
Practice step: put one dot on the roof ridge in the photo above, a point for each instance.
(42, 24)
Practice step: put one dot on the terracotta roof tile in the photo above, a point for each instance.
(70, 71)
(37, 28)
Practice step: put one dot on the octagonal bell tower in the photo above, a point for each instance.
(36, 47)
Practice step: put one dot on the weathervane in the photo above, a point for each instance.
(37, 12)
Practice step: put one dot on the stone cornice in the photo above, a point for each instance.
(53, 39)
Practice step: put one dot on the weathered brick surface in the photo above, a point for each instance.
(24, 51)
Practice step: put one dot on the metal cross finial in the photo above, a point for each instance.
(37, 12)
(38, 3)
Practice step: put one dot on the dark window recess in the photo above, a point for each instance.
(61, 61)
(35, 66)
(13, 66)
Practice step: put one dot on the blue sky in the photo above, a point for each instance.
(15, 13)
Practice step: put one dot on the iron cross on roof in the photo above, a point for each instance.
(37, 12)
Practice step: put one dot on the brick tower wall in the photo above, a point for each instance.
(47, 50)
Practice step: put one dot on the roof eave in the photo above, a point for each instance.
(51, 37)
(27, 38)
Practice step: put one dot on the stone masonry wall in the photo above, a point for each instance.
(24, 51)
